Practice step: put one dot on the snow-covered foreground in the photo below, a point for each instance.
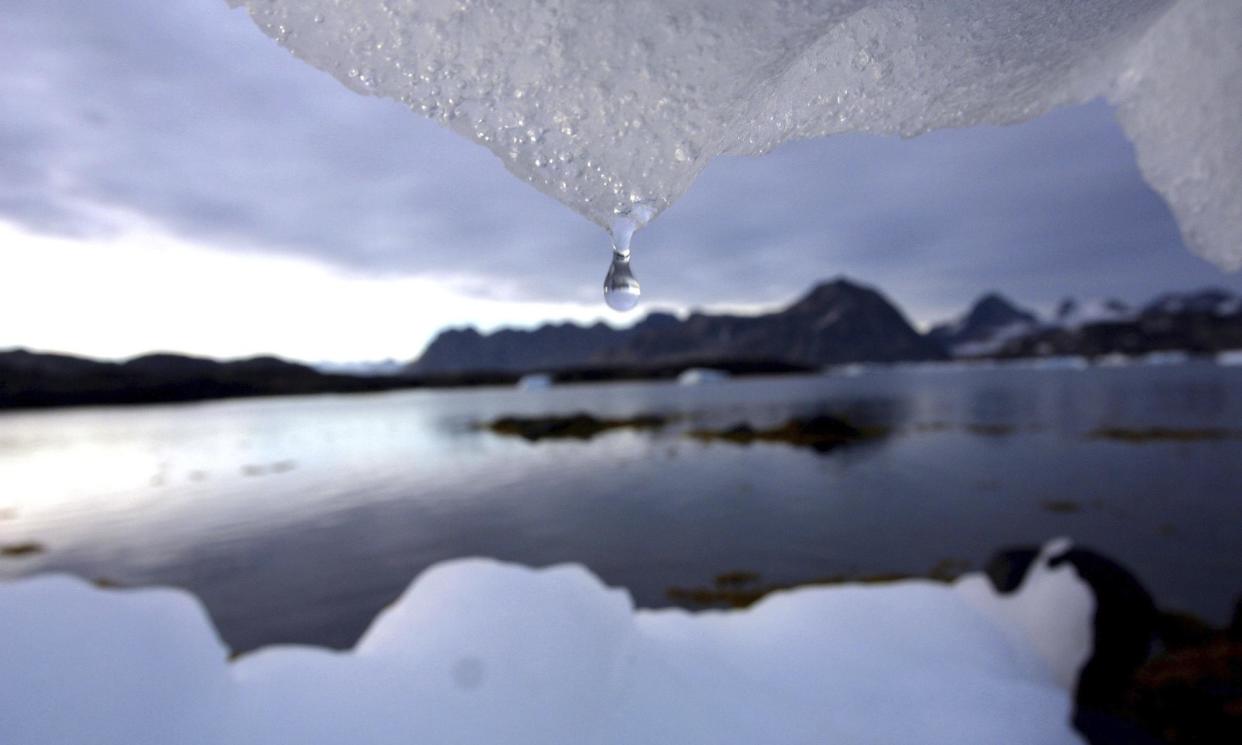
(478, 651)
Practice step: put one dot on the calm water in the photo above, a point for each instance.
(297, 519)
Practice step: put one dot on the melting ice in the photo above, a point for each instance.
(482, 652)
(604, 104)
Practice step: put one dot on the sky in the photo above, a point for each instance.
(171, 179)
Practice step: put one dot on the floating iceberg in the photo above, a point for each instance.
(609, 104)
(701, 375)
(535, 382)
(1231, 358)
(477, 651)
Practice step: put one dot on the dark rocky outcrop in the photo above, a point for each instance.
(1152, 677)
(1007, 568)
(580, 426)
(821, 433)
(26, 548)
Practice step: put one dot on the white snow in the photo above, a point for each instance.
(1093, 311)
(1047, 613)
(608, 104)
(995, 340)
(477, 651)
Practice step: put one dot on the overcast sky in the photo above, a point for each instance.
(171, 179)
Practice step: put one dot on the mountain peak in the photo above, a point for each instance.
(994, 309)
(991, 320)
(830, 292)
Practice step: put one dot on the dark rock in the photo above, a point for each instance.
(1192, 695)
(1124, 625)
(1105, 728)
(1162, 434)
(1182, 630)
(579, 426)
(28, 548)
(1235, 626)
(822, 433)
(1006, 569)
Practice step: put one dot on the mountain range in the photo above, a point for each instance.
(836, 322)
(1201, 322)
(841, 322)
(34, 380)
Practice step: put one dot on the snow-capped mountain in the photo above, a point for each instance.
(1198, 322)
(991, 322)
(1214, 301)
(1073, 314)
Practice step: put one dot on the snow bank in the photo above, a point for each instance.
(477, 651)
(604, 104)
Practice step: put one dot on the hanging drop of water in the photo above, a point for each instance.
(620, 287)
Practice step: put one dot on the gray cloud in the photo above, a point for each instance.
(182, 112)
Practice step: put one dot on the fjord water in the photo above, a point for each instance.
(298, 519)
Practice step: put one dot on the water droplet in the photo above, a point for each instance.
(620, 286)
(621, 289)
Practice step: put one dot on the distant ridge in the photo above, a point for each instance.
(836, 322)
(548, 347)
(32, 379)
(1200, 322)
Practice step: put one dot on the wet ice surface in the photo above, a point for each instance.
(605, 104)
(296, 520)
(479, 652)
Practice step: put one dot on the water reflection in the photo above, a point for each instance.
(297, 519)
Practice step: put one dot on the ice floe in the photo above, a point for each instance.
(477, 651)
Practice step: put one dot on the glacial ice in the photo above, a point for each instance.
(607, 104)
(477, 651)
